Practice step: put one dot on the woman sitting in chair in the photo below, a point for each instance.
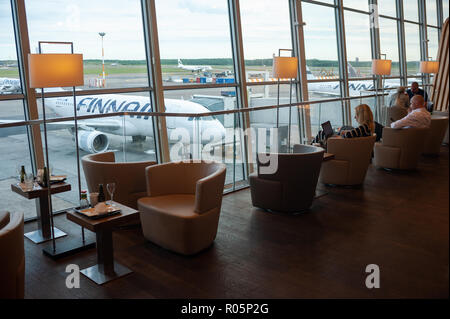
(367, 127)
(364, 117)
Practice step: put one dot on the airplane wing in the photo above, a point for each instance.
(105, 125)
(324, 93)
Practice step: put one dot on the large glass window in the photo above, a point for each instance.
(445, 9)
(433, 42)
(412, 40)
(387, 8)
(9, 71)
(320, 42)
(265, 30)
(411, 10)
(194, 41)
(431, 11)
(84, 22)
(389, 42)
(358, 44)
(357, 4)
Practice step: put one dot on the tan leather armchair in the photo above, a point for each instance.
(400, 148)
(292, 186)
(351, 160)
(436, 134)
(444, 114)
(396, 113)
(182, 207)
(12, 256)
(129, 177)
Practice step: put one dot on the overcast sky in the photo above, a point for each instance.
(191, 28)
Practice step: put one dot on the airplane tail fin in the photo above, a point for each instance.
(352, 71)
(179, 62)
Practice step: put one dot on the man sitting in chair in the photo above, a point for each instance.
(417, 116)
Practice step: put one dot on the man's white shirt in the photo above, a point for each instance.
(419, 118)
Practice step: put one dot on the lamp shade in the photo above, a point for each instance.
(285, 67)
(429, 66)
(55, 70)
(381, 67)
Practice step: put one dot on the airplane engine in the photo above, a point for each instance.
(93, 141)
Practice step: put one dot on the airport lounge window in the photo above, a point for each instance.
(445, 9)
(387, 8)
(431, 12)
(194, 42)
(362, 5)
(389, 43)
(9, 71)
(433, 42)
(102, 30)
(265, 30)
(321, 51)
(357, 35)
(14, 152)
(412, 40)
(411, 10)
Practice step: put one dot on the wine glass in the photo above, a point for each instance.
(111, 187)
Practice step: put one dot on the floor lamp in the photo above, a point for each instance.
(428, 67)
(56, 70)
(283, 68)
(381, 67)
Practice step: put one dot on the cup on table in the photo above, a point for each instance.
(93, 199)
(29, 182)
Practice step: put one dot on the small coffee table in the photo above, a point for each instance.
(43, 233)
(106, 268)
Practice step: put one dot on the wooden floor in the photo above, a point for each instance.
(398, 220)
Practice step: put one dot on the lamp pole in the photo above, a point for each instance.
(102, 34)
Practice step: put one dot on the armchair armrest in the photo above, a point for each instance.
(209, 190)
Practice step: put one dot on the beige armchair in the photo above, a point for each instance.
(182, 207)
(395, 113)
(292, 186)
(351, 160)
(129, 177)
(400, 148)
(444, 114)
(12, 256)
(435, 136)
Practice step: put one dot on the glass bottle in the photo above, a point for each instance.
(83, 200)
(101, 193)
(22, 174)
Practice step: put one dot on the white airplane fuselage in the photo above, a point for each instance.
(134, 125)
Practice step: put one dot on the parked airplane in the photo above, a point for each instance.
(91, 132)
(9, 86)
(193, 68)
(355, 87)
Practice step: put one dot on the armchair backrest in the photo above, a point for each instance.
(12, 256)
(396, 113)
(205, 180)
(436, 134)
(356, 151)
(129, 177)
(410, 141)
(297, 172)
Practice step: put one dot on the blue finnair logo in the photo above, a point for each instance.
(100, 105)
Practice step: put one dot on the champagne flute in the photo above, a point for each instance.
(111, 187)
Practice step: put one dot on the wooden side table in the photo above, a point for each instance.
(43, 233)
(106, 268)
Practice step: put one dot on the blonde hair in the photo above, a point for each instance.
(400, 91)
(364, 116)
